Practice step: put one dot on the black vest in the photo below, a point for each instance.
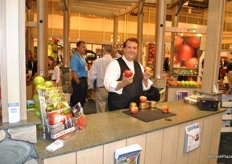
(131, 92)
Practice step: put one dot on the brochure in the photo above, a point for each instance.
(192, 137)
(128, 155)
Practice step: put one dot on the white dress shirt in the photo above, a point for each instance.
(113, 73)
(97, 70)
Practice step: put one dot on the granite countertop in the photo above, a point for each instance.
(32, 119)
(103, 128)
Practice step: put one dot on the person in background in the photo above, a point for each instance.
(79, 75)
(97, 72)
(122, 89)
(54, 71)
(31, 64)
(166, 65)
(229, 76)
(115, 53)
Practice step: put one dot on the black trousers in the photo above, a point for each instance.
(79, 92)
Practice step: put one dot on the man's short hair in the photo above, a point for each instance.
(131, 40)
(79, 43)
(108, 48)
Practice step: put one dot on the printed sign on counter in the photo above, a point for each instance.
(192, 137)
(128, 154)
(13, 112)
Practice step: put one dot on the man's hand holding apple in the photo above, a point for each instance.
(147, 73)
(127, 78)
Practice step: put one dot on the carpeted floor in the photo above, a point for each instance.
(225, 148)
(90, 107)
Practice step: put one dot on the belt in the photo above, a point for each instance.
(82, 77)
(101, 87)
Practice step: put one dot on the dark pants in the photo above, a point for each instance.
(79, 92)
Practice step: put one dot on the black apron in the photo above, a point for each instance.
(131, 92)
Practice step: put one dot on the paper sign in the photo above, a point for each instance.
(13, 112)
(192, 137)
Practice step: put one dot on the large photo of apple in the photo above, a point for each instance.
(186, 51)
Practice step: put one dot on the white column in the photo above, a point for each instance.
(140, 30)
(213, 44)
(66, 29)
(159, 37)
(12, 50)
(115, 30)
(42, 38)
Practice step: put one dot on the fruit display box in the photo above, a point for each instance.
(56, 114)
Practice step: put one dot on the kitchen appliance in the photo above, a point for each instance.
(208, 104)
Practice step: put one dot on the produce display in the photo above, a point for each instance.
(53, 109)
(183, 83)
(186, 54)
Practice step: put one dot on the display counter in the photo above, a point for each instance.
(162, 141)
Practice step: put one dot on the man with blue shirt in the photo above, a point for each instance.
(79, 73)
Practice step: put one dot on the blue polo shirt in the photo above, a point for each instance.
(78, 64)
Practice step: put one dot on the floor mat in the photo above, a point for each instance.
(150, 115)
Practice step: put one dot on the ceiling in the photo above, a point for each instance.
(105, 8)
(112, 8)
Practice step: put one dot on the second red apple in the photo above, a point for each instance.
(143, 99)
(134, 110)
(165, 109)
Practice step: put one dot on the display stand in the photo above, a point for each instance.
(55, 112)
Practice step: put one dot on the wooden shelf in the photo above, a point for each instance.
(226, 129)
(227, 117)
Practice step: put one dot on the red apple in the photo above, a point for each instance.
(191, 63)
(134, 110)
(178, 41)
(175, 59)
(165, 109)
(147, 69)
(128, 73)
(143, 99)
(194, 41)
(185, 52)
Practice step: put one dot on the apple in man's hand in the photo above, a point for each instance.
(134, 110)
(128, 73)
(147, 69)
(143, 99)
(165, 109)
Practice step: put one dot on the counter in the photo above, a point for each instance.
(162, 141)
(32, 119)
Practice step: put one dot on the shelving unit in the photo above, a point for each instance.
(227, 120)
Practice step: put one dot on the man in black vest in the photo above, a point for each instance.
(123, 90)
